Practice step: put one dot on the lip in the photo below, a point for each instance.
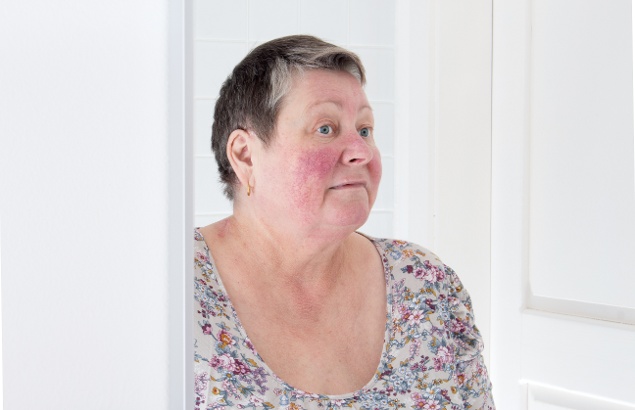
(349, 185)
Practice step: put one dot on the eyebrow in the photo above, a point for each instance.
(335, 103)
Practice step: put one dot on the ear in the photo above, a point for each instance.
(239, 152)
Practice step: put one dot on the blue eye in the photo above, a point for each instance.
(365, 132)
(325, 129)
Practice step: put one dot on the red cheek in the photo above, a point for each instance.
(310, 173)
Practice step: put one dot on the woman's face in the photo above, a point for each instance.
(321, 169)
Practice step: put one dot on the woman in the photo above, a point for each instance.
(294, 308)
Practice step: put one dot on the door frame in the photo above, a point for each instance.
(180, 205)
(510, 41)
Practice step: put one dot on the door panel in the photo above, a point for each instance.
(582, 207)
(541, 397)
(579, 354)
(563, 205)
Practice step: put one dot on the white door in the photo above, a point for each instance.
(563, 205)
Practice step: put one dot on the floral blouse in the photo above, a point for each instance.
(431, 357)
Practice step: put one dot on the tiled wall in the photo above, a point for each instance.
(225, 30)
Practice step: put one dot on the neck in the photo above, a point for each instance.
(289, 257)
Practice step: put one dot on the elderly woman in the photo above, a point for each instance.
(294, 308)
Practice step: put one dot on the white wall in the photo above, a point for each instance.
(84, 204)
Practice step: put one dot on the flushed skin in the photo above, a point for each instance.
(321, 171)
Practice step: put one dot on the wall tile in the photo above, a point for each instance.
(219, 19)
(386, 194)
(379, 225)
(380, 72)
(384, 126)
(208, 191)
(201, 220)
(203, 118)
(213, 62)
(327, 19)
(273, 18)
(372, 22)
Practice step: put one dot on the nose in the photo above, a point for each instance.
(357, 150)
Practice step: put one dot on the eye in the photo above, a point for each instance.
(365, 132)
(325, 129)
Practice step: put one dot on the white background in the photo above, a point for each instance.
(96, 99)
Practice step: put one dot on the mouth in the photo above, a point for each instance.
(349, 185)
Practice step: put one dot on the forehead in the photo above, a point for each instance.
(314, 87)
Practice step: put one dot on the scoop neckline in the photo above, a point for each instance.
(243, 332)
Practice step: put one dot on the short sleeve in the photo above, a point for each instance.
(471, 374)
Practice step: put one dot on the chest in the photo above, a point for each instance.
(329, 346)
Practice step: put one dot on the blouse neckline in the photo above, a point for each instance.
(243, 332)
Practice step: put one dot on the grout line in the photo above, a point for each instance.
(390, 102)
(248, 15)
(213, 214)
(372, 46)
(297, 16)
(382, 211)
(348, 25)
(219, 40)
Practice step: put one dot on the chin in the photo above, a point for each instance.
(352, 219)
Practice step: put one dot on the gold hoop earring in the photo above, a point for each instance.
(248, 190)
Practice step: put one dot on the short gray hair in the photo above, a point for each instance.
(251, 97)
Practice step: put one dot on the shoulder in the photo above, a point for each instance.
(200, 242)
(412, 259)
(201, 251)
(198, 236)
(204, 271)
(418, 267)
(421, 278)
(397, 250)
